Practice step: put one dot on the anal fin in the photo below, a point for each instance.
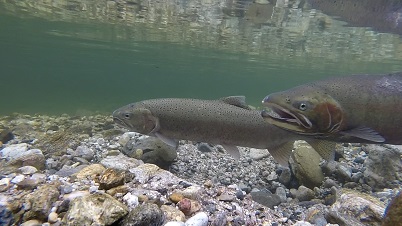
(166, 140)
(281, 153)
(232, 150)
(326, 149)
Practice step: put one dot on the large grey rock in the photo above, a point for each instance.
(153, 151)
(383, 166)
(359, 206)
(144, 215)
(304, 163)
(95, 209)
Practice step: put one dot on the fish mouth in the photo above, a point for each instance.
(284, 118)
(119, 121)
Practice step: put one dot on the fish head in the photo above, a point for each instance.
(137, 118)
(305, 110)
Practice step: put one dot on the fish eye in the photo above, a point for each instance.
(127, 115)
(303, 106)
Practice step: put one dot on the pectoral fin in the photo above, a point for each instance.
(282, 153)
(232, 150)
(364, 133)
(326, 149)
(167, 140)
(239, 101)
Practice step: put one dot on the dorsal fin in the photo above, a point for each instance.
(239, 101)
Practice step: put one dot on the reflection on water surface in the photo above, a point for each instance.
(99, 55)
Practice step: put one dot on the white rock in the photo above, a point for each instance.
(302, 223)
(200, 219)
(100, 141)
(257, 154)
(28, 170)
(39, 176)
(18, 179)
(131, 200)
(5, 181)
(13, 151)
(175, 223)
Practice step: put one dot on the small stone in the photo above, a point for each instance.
(123, 189)
(174, 223)
(145, 214)
(91, 172)
(94, 209)
(280, 191)
(328, 183)
(17, 179)
(13, 151)
(192, 192)
(131, 200)
(84, 152)
(343, 172)
(285, 177)
(188, 206)
(5, 184)
(304, 194)
(208, 184)
(176, 197)
(204, 147)
(121, 162)
(67, 189)
(258, 154)
(240, 194)
(226, 197)
(53, 217)
(200, 219)
(28, 170)
(28, 184)
(93, 189)
(31, 223)
(172, 213)
(111, 178)
(266, 198)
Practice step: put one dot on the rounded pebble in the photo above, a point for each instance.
(175, 223)
(52, 218)
(200, 219)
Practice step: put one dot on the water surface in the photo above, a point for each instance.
(94, 56)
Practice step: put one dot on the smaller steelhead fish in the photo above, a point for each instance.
(228, 121)
(355, 109)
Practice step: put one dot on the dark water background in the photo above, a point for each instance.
(59, 61)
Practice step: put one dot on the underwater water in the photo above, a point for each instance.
(81, 57)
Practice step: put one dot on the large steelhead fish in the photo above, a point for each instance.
(355, 108)
(228, 121)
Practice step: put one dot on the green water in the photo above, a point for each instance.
(53, 65)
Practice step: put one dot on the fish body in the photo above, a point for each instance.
(227, 121)
(355, 108)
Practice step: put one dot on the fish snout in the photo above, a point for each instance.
(266, 99)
